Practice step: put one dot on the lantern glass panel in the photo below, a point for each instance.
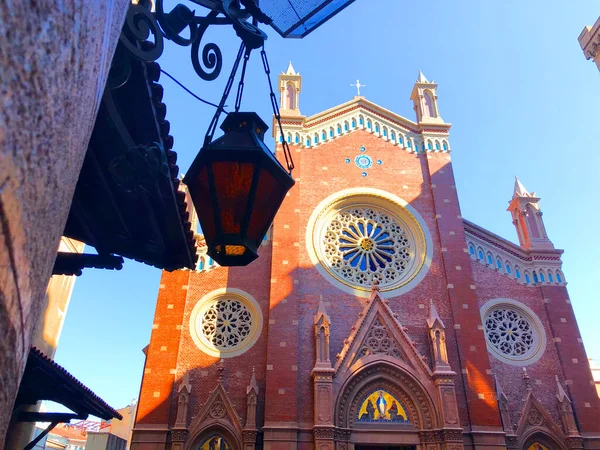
(269, 195)
(233, 181)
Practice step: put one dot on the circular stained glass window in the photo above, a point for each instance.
(513, 332)
(226, 323)
(365, 239)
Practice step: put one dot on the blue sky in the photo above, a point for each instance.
(513, 82)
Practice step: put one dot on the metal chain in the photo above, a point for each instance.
(213, 124)
(284, 143)
(240, 91)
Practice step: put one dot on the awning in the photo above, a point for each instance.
(127, 201)
(297, 18)
(45, 380)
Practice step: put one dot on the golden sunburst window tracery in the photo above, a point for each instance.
(537, 446)
(215, 442)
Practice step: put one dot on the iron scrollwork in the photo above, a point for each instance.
(207, 59)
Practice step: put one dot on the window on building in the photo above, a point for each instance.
(385, 132)
(353, 123)
(535, 278)
(346, 126)
(392, 136)
(429, 146)
(489, 259)
(444, 146)
(297, 140)
(558, 278)
(316, 139)
(331, 132)
(527, 279)
(508, 268)
(518, 274)
(550, 278)
(471, 250)
(289, 138)
(339, 130)
(408, 144)
(542, 277)
(360, 120)
(369, 124)
(499, 264)
(400, 140)
(480, 255)
(437, 146)
(308, 142)
(323, 136)
(376, 128)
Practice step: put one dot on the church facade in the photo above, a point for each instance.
(376, 315)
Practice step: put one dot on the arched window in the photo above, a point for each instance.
(392, 136)
(297, 138)
(437, 145)
(400, 140)
(480, 255)
(331, 132)
(408, 143)
(316, 138)
(518, 273)
(281, 138)
(201, 264)
(429, 108)
(289, 138)
(290, 96)
(471, 250)
(323, 135)
(307, 142)
(542, 277)
(490, 260)
(428, 145)
(345, 126)
(550, 277)
(508, 268)
(558, 277)
(339, 130)
(384, 131)
(369, 124)
(360, 120)
(535, 277)
(376, 128)
(445, 146)
(353, 123)
(210, 262)
(499, 263)
(527, 279)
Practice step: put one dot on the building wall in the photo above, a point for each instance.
(289, 289)
(589, 40)
(54, 65)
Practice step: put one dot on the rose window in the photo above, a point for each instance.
(512, 333)
(226, 323)
(364, 245)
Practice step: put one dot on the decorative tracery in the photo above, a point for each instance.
(363, 245)
(226, 323)
(510, 331)
(379, 341)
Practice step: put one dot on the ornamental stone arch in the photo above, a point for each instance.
(541, 435)
(221, 429)
(420, 408)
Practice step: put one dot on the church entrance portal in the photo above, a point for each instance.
(385, 447)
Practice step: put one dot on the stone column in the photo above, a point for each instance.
(55, 62)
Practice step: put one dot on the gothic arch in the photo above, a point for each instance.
(222, 428)
(393, 378)
(542, 436)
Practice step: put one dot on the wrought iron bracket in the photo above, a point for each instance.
(207, 59)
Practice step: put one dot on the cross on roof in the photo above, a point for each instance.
(358, 86)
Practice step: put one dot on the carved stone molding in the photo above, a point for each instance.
(324, 433)
(249, 435)
(341, 434)
(575, 442)
(452, 435)
(430, 437)
(179, 435)
(512, 441)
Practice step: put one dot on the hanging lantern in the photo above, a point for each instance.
(237, 185)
